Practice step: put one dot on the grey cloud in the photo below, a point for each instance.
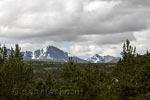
(109, 38)
(138, 2)
(58, 21)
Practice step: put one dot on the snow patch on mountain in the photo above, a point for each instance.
(51, 53)
(103, 59)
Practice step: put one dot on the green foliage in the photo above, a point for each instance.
(132, 74)
(51, 87)
(128, 50)
(71, 72)
(129, 79)
(14, 75)
(3, 55)
(89, 82)
(39, 90)
(92, 82)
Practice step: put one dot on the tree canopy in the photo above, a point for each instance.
(129, 80)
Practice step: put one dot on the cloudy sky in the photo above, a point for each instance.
(81, 27)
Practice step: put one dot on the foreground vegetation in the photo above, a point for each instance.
(42, 68)
(129, 79)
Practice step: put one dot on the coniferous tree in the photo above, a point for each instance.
(71, 74)
(4, 55)
(132, 75)
(1, 57)
(14, 75)
(128, 50)
(123, 74)
(18, 54)
(92, 82)
(50, 87)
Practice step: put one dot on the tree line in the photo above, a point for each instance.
(129, 80)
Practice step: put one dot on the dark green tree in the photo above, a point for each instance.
(14, 76)
(51, 87)
(128, 50)
(71, 75)
(92, 82)
(38, 90)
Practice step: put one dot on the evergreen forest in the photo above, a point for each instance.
(129, 79)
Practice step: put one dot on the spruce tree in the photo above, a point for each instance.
(4, 55)
(51, 87)
(38, 90)
(128, 50)
(71, 75)
(92, 82)
(1, 57)
(14, 75)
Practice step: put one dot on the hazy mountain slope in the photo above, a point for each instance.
(103, 59)
(51, 53)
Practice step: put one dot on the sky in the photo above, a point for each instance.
(80, 27)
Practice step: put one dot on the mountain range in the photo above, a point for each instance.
(51, 53)
(103, 59)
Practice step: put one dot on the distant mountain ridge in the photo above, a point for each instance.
(103, 59)
(51, 53)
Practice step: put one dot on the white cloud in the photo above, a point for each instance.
(84, 50)
(89, 26)
(142, 41)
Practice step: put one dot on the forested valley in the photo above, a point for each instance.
(129, 79)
